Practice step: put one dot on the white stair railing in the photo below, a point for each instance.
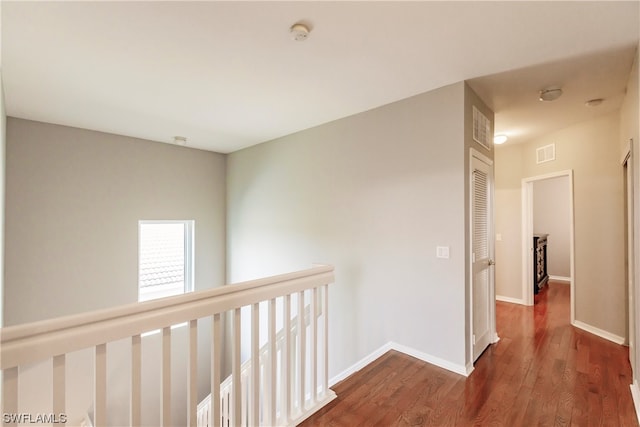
(289, 383)
(264, 358)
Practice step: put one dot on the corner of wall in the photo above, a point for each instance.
(3, 136)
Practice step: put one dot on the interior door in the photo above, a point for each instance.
(482, 257)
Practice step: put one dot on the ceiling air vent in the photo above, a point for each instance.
(546, 153)
(481, 129)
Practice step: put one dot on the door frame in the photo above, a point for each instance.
(629, 177)
(527, 236)
(476, 155)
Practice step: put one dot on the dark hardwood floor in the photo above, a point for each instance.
(543, 371)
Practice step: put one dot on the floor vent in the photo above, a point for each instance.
(546, 153)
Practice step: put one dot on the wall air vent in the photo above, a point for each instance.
(482, 129)
(546, 153)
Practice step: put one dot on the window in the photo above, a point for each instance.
(165, 263)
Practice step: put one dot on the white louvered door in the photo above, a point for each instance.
(482, 271)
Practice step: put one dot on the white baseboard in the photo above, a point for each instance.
(635, 394)
(560, 279)
(445, 364)
(509, 299)
(360, 364)
(441, 363)
(496, 338)
(599, 332)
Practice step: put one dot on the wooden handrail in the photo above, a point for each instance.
(28, 343)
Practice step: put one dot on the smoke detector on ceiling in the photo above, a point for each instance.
(550, 94)
(300, 32)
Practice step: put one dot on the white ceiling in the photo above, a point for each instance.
(227, 75)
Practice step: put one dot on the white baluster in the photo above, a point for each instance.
(100, 394)
(325, 313)
(192, 380)
(254, 397)
(313, 339)
(216, 358)
(136, 381)
(245, 389)
(165, 406)
(236, 414)
(10, 392)
(286, 366)
(302, 347)
(273, 364)
(59, 405)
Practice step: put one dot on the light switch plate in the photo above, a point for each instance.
(498, 237)
(442, 252)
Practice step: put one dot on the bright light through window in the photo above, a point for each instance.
(165, 259)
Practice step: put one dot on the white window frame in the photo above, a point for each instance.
(189, 264)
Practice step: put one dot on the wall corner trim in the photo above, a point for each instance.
(510, 300)
(635, 394)
(425, 357)
(599, 332)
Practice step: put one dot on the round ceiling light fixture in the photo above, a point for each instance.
(500, 139)
(594, 102)
(550, 94)
(299, 32)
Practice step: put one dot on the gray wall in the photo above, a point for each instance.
(73, 201)
(74, 198)
(591, 150)
(551, 215)
(372, 194)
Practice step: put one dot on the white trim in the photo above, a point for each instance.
(563, 279)
(599, 332)
(527, 246)
(527, 236)
(478, 156)
(360, 364)
(635, 394)
(425, 357)
(371, 357)
(510, 300)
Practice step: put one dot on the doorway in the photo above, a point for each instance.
(528, 230)
(482, 254)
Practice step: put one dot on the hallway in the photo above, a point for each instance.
(543, 371)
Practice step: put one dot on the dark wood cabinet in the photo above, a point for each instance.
(540, 274)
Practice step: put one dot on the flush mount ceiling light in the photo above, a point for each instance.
(550, 94)
(594, 102)
(180, 140)
(500, 139)
(299, 32)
